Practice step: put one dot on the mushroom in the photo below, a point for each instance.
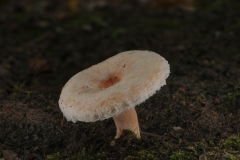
(113, 88)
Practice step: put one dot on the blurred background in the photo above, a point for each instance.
(79, 33)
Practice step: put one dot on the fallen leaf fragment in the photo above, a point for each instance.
(39, 65)
(10, 155)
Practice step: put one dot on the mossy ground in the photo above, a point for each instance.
(195, 116)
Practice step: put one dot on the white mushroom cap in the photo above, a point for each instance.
(113, 86)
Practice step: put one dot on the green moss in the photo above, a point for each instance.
(235, 93)
(168, 145)
(232, 100)
(232, 157)
(53, 156)
(144, 155)
(211, 143)
(233, 142)
(193, 150)
(85, 155)
(184, 155)
(179, 155)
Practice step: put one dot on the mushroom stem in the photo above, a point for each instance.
(127, 120)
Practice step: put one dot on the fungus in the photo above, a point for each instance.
(113, 88)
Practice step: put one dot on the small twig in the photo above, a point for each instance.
(32, 42)
(40, 38)
(7, 81)
(11, 85)
(60, 130)
(62, 121)
(150, 134)
(232, 152)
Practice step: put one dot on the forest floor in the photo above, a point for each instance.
(195, 116)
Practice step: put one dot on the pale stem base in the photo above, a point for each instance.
(127, 120)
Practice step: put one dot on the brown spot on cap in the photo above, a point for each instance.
(109, 81)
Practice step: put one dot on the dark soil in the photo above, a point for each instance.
(195, 116)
